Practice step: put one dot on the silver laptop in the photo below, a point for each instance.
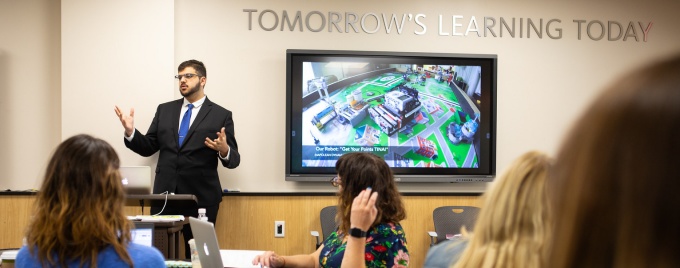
(206, 243)
(136, 179)
(209, 252)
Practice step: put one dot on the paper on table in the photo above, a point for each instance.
(239, 258)
(160, 218)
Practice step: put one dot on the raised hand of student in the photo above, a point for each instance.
(364, 211)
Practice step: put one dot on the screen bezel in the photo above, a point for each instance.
(487, 162)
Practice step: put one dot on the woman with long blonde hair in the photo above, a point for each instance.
(513, 225)
(79, 220)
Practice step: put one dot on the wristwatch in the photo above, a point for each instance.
(358, 233)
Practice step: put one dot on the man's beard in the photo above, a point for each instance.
(191, 91)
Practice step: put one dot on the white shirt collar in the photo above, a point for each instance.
(196, 104)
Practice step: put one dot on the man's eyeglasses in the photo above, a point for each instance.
(335, 181)
(187, 76)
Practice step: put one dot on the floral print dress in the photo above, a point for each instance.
(385, 247)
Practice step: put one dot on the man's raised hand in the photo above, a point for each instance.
(128, 121)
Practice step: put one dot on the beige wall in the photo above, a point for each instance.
(125, 53)
(115, 53)
(30, 77)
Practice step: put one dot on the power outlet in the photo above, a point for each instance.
(279, 228)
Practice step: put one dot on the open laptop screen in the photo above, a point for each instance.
(142, 233)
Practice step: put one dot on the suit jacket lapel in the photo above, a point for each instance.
(176, 110)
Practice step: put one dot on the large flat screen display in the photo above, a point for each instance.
(431, 116)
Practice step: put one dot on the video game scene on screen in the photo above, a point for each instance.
(411, 115)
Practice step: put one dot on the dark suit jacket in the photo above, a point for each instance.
(191, 169)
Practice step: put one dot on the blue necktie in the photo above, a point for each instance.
(184, 126)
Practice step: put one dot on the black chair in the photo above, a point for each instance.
(448, 221)
(328, 224)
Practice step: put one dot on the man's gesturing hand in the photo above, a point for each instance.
(219, 144)
(128, 121)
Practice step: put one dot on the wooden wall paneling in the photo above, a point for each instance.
(15, 212)
(247, 222)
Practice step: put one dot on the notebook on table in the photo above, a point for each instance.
(136, 179)
(209, 252)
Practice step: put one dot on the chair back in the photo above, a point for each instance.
(328, 224)
(448, 220)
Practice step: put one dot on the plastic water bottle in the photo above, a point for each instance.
(201, 214)
(195, 261)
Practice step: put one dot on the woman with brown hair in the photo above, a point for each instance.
(369, 211)
(79, 220)
(513, 225)
(617, 176)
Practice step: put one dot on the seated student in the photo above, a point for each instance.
(513, 225)
(617, 176)
(79, 221)
(369, 211)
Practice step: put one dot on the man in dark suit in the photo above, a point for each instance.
(191, 135)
